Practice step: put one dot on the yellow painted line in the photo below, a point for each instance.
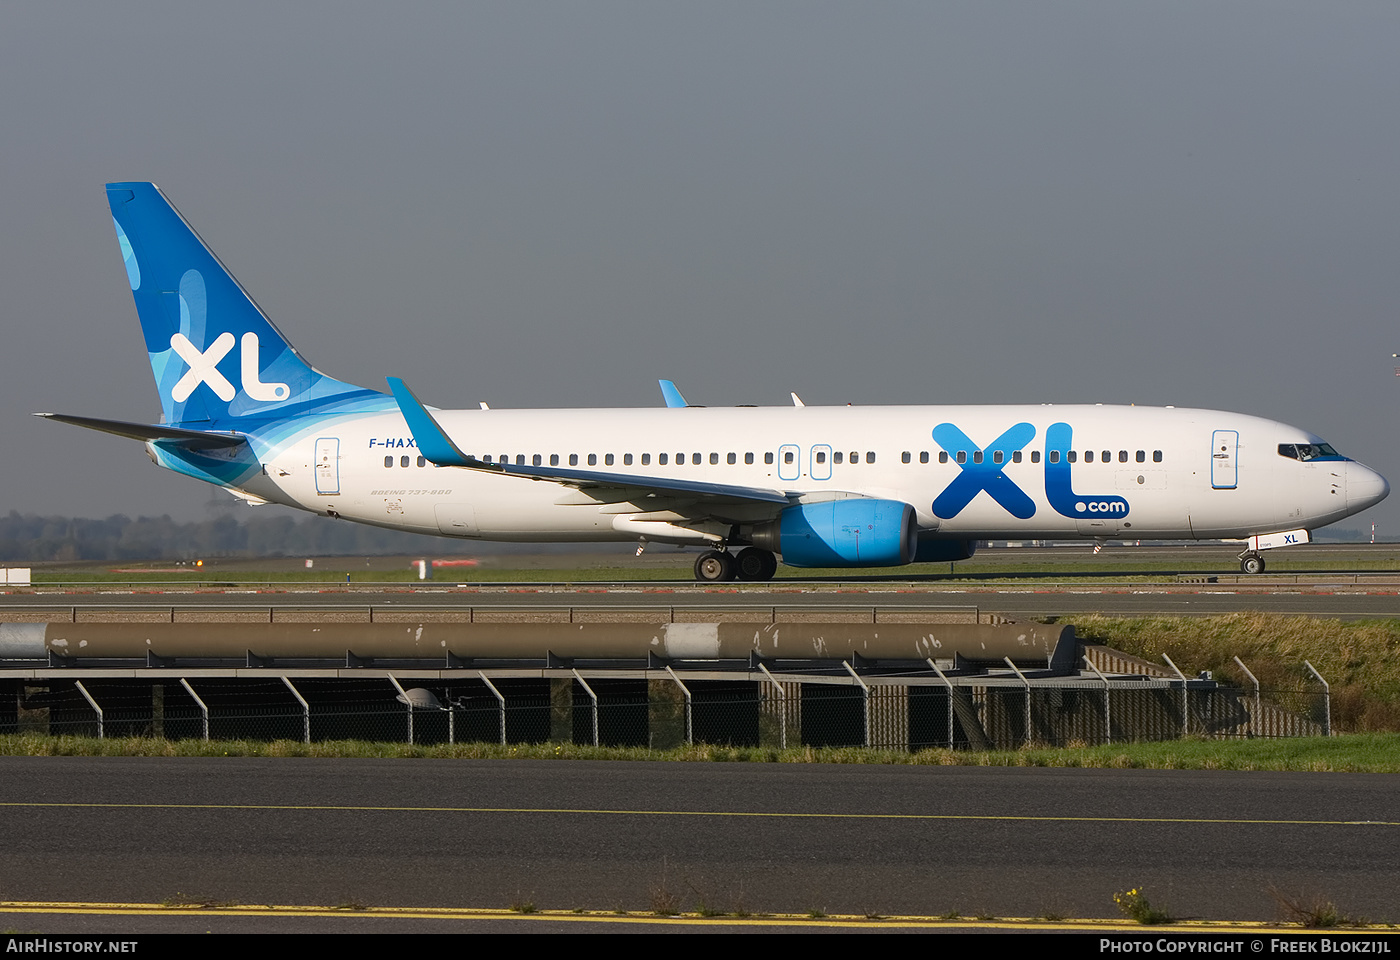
(572, 916)
(587, 811)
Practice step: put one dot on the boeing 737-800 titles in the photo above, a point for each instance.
(814, 486)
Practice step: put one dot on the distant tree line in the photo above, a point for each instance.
(25, 537)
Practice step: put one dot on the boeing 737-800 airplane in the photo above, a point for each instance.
(816, 486)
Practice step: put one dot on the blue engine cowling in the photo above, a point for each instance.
(843, 533)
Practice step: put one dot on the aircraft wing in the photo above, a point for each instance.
(437, 447)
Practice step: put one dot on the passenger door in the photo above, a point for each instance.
(328, 466)
(1224, 453)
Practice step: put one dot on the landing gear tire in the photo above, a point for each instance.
(1252, 563)
(714, 566)
(755, 564)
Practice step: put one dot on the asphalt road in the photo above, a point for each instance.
(604, 836)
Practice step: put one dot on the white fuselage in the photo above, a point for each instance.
(1136, 472)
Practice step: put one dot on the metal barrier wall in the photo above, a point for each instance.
(652, 708)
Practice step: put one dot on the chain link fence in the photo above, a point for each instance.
(660, 713)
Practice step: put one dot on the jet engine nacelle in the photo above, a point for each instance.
(842, 533)
(943, 551)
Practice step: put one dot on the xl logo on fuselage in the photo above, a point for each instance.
(204, 369)
(1059, 438)
(981, 470)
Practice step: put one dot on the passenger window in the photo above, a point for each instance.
(748, 458)
(732, 458)
(573, 459)
(627, 459)
(537, 460)
(520, 459)
(821, 457)
(403, 461)
(788, 457)
(768, 457)
(1122, 456)
(943, 456)
(1156, 456)
(554, 459)
(1107, 457)
(855, 456)
(998, 456)
(646, 459)
(962, 456)
(905, 457)
(661, 459)
(422, 461)
(592, 459)
(1016, 456)
(608, 459)
(680, 460)
(388, 461)
(486, 459)
(1142, 456)
(1035, 456)
(714, 458)
(838, 457)
(697, 458)
(870, 458)
(1073, 457)
(1088, 456)
(1054, 456)
(977, 456)
(923, 456)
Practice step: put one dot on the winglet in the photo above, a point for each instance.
(432, 442)
(672, 395)
(797, 401)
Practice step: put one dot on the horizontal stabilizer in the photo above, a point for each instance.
(195, 439)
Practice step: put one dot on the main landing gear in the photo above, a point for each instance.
(716, 566)
(1251, 562)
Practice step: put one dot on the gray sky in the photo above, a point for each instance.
(553, 204)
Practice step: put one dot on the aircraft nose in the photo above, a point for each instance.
(1365, 487)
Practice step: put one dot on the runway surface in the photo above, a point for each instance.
(1325, 580)
(606, 836)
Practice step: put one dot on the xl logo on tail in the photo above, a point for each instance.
(204, 369)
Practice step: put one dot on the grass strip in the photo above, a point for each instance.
(1355, 753)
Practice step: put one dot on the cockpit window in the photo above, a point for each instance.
(1308, 451)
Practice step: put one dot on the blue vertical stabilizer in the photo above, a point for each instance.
(215, 356)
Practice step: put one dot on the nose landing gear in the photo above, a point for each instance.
(1251, 562)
